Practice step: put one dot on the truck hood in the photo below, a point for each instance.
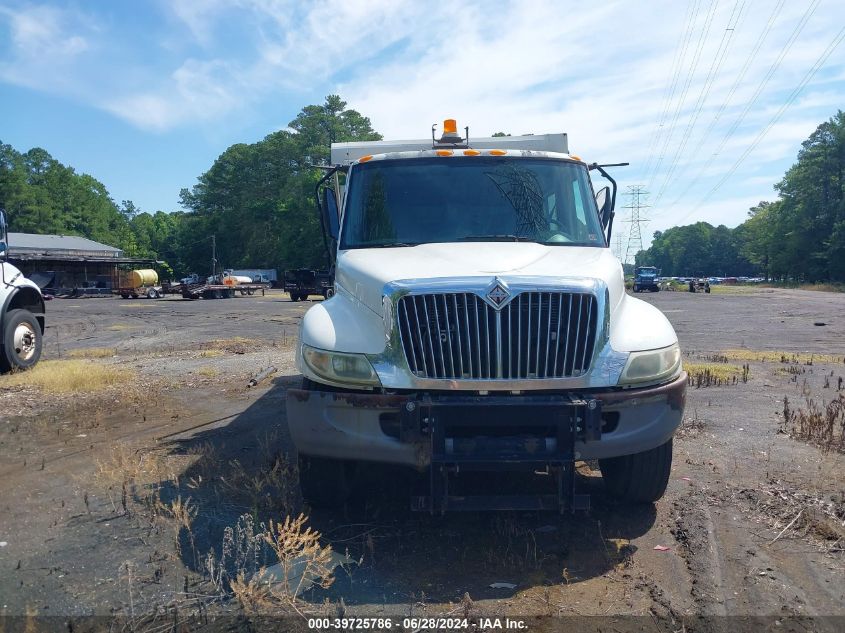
(364, 272)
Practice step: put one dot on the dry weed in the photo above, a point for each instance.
(68, 376)
(268, 489)
(253, 594)
(779, 356)
(303, 561)
(270, 567)
(234, 345)
(138, 475)
(716, 374)
(120, 327)
(822, 426)
(791, 510)
(92, 352)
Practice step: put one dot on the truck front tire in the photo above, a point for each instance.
(22, 341)
(641, 477)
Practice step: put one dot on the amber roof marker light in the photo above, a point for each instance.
(450, 137)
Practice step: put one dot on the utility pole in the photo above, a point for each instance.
(635, 236)
(213, 255)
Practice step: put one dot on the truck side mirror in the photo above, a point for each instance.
(328, 206)
(3, 235)
(604, 204)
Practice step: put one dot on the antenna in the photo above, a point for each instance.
(635, 236)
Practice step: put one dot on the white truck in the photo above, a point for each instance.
(480, 323)
(21, 315)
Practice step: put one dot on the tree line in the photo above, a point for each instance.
(799, 237)
(257, 200)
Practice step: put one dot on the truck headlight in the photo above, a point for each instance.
(652, 365)
(339, 367)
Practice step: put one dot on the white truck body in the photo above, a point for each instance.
(517, 319)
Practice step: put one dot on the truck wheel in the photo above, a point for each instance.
(21, 341)
(324, 482)
(294, 296)
(641, 477)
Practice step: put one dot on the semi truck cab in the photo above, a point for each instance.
(480, 323)
(21, 313)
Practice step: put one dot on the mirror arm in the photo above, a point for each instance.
(612, 191)
(330, 172)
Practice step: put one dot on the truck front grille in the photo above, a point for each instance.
(536, 335)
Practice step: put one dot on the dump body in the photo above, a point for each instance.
(300, 283)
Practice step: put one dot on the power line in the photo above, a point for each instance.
(715, 66)
(755, 50)
(764, 82)
(792, 96)
(708, 22)
(635, 236)
(671, 86)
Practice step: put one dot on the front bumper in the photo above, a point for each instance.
(378, 428)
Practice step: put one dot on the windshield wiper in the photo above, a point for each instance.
(496, 238)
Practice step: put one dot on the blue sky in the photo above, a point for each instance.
(699, 95)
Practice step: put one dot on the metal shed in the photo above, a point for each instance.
(64, 263)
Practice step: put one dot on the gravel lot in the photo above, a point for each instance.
(89, 527)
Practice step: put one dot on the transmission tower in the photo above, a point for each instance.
(618, 247)
(637, 194)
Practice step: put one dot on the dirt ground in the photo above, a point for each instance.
(123, 501)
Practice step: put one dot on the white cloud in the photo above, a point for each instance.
(196, 91)
(44, 42)
(600, 73)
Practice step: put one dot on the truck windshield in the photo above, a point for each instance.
(415, 201)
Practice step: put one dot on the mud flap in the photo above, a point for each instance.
(502, 434)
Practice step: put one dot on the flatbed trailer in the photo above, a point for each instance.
(220, 291)
(150, 292)
(123, 286)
